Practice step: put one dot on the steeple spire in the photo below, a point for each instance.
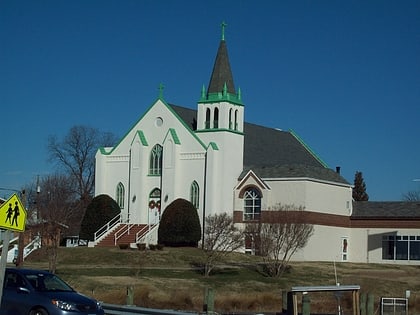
(221, 85)
(222, 73)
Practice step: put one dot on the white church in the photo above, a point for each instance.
(220, 163)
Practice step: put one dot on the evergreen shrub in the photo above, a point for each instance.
(179, 225)
(99, 212)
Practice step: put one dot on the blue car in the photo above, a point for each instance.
(36, 292)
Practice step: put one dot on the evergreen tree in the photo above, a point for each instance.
(99, 212)
(359, 189)
(179, 225)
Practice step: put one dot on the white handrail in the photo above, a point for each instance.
(125, 229)
(144, 232)
(103, 230)
(33, 245)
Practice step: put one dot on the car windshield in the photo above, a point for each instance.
(47, 282)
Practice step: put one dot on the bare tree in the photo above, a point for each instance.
(282, 233)
(221, 237)
(54, 212)
(75, 155)
(413, 195)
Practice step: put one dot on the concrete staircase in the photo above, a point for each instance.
(123, 234)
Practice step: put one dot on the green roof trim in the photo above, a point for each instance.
(308, 148)
(174, 135)
(142, 138)
(104, 151)
(214, 146)
(220, 97)
(220, 130)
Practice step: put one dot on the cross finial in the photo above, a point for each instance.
(161, 87)
(223, 30)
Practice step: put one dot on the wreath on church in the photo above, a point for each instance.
(152, 204)
(158, 205)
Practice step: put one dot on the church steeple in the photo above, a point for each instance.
(220, 107)
(221, 85)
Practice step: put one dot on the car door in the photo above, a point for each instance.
(16, 294)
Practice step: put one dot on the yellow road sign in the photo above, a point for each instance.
(13, 214)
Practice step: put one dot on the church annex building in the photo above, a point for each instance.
(220, 163)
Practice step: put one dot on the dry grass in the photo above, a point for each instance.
(166, 279)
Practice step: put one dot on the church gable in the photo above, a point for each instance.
(252, 179)
(153, 127)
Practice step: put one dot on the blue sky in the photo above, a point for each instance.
(344, 75)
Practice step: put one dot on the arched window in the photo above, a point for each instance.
(252, 204)
(119, 195)
(216, 118)
(155, 167)
(207, 122)
(195, 194)
(230, 119)
(236, 120)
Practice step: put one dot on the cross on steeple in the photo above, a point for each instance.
(161, 88)
(223, 30)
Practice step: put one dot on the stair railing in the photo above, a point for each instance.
(124, 230)
(33, 245)
(107, 227)
(144, 232)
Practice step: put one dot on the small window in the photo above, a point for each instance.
(120, 195)
(216, 118)
(195, 194)
(207, 122)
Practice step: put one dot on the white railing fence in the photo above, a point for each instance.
(107, 227)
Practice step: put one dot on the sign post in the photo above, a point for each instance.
(12, 218)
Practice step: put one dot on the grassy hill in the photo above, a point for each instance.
(168, 279)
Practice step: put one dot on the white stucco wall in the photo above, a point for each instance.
(325, 245)
(318, 196)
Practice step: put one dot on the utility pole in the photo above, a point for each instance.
(21, 240)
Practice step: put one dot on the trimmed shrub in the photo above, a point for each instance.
(179, 225)
(99, 212)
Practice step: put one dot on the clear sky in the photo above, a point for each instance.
(344, 75)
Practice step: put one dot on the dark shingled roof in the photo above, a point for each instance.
(221, 72)
(269, 147)
(272, 153)
(296, 171)
(385, 209)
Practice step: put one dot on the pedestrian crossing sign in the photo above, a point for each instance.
(13, 214)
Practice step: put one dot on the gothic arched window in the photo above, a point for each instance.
(195, 194)
(155, 167)
(120, 191)
(207, 122)
(230, 119)
(216, 118)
